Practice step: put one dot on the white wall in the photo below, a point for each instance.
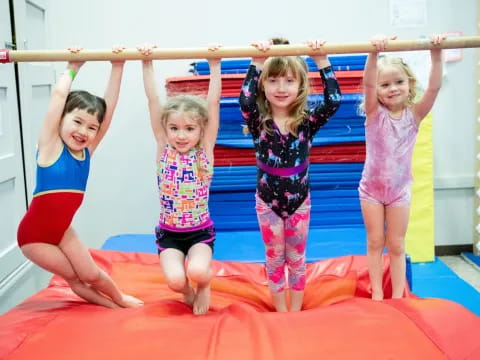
(122, 195)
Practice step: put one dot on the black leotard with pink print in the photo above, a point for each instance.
(282, 159)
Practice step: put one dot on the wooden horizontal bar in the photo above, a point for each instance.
(233, 52)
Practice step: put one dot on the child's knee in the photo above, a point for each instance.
(376, 242)
(199, 272)
(396, 248)
(295, 261)
(176, 282)
(90, 276)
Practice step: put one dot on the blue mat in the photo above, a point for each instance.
(333, 191)
(472, 259)
(347, 125)
(247, 246)
(433, 279)
(436, 280)
(240, 66)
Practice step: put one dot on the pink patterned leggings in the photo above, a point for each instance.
(285, 241)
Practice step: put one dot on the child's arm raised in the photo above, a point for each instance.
(213, 103)
(320, 60)
(264, 46)
(380, 42)
(154, 105)
(425, 104)
(49, 133)
(249, 91)
(111, 98)
(332, 95)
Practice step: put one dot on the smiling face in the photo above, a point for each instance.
(281, 91)
(183, 131)
(78, 129)
(393, 87)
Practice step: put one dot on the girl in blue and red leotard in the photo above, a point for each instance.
(273, 101)
(74, 125)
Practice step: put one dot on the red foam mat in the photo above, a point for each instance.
(349, 81)
(339, 153)
(338, 321)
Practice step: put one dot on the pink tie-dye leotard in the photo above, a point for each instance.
(387, 173)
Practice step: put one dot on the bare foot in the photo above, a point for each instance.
(189, 297)
(202, 300)
(130, 301)
(377, 296)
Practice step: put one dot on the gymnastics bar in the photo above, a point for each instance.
(230, 52)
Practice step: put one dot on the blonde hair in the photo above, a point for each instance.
(397, 62)
(279, 66)
(191, 105)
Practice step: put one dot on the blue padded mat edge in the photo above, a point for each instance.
(433, 279)
(472, 259)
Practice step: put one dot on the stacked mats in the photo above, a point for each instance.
(336, 160)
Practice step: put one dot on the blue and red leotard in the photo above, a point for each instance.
(59, 191)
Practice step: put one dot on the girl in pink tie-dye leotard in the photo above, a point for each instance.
(390, 132)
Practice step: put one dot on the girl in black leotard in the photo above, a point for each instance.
(273, 104)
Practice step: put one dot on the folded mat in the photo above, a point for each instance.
(338, 321)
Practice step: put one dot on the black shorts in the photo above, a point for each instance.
(184, 240)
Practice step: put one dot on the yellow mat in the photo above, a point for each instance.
(420, 243)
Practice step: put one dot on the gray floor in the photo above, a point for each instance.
(464, 269)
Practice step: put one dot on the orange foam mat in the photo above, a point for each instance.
(338, 321)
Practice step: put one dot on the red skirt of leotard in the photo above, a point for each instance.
(48, 217)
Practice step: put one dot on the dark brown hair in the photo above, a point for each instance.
(83, 100)
(279, 41)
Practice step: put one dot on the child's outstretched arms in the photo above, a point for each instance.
(213, 102)
(112, 92)
(154, 105)
(425, 104)
(49, 132)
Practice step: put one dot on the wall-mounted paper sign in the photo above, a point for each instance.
(408, 13)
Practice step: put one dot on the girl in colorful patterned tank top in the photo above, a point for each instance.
(391, 126)
(74, 125)
(185, 130)
(273, 102)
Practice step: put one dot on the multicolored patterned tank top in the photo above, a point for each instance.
(184, 183)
